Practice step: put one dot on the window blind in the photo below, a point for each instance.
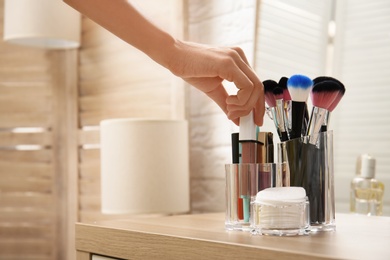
(291, 38)
(362, 62)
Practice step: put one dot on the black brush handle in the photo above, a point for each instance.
(313, 184)
(283, 136)
(235, 148)
(297, 118)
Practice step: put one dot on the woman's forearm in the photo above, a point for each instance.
(123, 20)
(204, 67)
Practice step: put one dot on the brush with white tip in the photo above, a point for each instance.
(299, 87)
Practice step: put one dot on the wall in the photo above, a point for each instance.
(362, 62)
(37, 123)
(117, 81)
(223, 23)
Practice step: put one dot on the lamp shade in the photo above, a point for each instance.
(41, 23)
(144, 166)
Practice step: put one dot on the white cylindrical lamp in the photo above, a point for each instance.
(144, 166)
(41, 23)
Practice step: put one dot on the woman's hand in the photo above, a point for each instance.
(206, 67)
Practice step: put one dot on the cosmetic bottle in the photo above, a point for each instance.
(366, 191)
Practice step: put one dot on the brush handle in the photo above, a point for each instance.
(287, 114)
(305, 121)
(297, 117)
(324, 127)
(317, 119)
(235, 148)
(280, 120)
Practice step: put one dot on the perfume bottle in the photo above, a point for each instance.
(366, 191)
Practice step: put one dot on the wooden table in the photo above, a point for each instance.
(204, 237)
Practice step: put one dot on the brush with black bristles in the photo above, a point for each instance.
(335, 102)
(274, 99)
(269, 86)
(299, 87)
(286, 102)
(322, 96)
(269, 97)
(280, 120)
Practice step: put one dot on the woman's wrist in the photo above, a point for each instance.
(166, 52)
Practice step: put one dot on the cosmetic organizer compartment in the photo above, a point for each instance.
(243, 182)
(280, 211)
(310, 165)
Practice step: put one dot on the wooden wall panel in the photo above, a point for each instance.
(50, 171)
(33, 152)
(118, 81)
(18, 156)
(28, 219)
(37, 138)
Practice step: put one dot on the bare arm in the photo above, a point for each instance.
(204, 67)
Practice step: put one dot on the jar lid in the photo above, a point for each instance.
(368, 166)
(281, 195)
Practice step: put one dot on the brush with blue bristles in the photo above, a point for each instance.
(299, 87)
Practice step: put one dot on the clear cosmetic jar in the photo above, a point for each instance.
(281, 211)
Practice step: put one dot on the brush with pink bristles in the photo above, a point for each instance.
(335, 102)
(274, 100)
(322, 96)
(283, 85)
(269, 86)
(280, 115)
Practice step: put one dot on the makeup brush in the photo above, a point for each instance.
(274, 99)
(306, 120)
(269, 86)
(322, 96)
(334, 104)
(299, 87)
(325, 78)
(338, 98)
(341, 93)
(286, 101)
(279, 117)
(319, 156)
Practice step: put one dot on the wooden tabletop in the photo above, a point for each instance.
(204, 237)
